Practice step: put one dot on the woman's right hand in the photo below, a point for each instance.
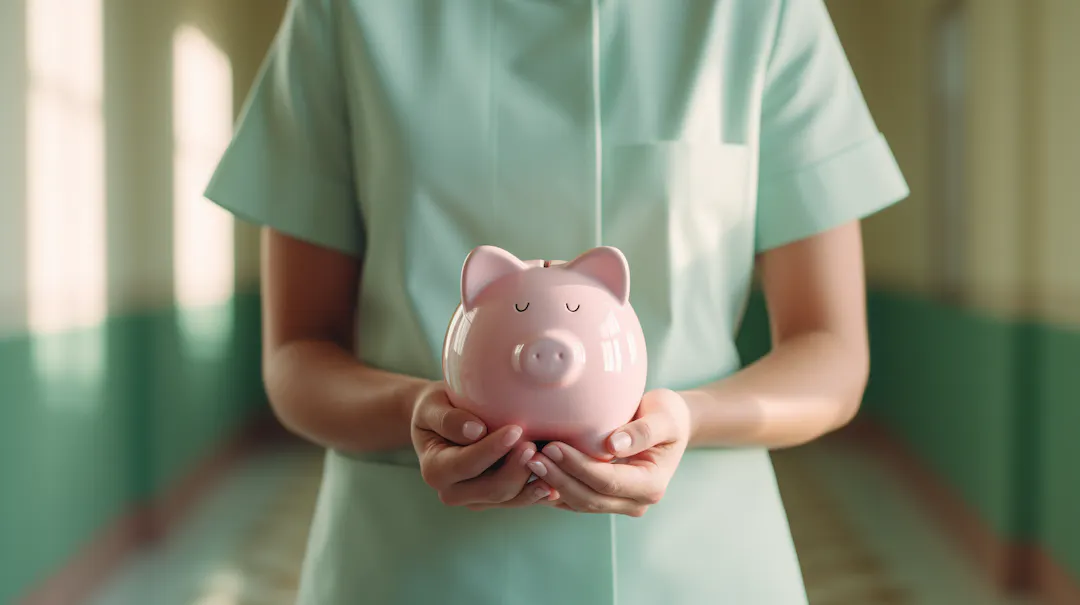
(456, 454)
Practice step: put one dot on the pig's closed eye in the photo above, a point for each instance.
(519, 309)
(574, 310)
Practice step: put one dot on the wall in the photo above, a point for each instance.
(983, 387)
(1055, 258)
(980, 382)
(958, 412)
(888, 48)
(104, 414)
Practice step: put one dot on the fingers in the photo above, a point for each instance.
(533, 493)
(456, 452)
(445, 466)
(435, 413)
(503, 485)
(580, 497)
(646, 432)
(642, 483)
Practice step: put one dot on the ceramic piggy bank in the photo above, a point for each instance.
(552, 347)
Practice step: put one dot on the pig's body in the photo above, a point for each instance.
(556, 350)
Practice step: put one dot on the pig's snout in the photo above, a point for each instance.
(553, 358)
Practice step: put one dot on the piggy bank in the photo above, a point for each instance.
(552, 347)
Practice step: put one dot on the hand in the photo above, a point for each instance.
(456, 456)
(648, 450)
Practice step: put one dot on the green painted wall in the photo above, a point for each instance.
(945, 381)
(991, 406)
(1058, 445)
(79, 452)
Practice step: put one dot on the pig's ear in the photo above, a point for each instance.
(608, 266)
(483, 266)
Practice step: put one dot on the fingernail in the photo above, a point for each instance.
(552, 451)
(541, 492)
(512, 436)
(538, 467)
(620, 441)
(527, 455)
(472, 430)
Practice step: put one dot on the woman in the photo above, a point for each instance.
(384, 140)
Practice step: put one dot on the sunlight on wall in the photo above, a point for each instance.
(204, 257)
(66, 185)
(65, 153)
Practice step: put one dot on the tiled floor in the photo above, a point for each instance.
(860, 537)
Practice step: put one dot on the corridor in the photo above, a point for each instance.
(131, 307)
(862, 535)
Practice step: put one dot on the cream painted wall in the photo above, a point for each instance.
(891, 46)
(137, 39)
(1055, 124)
(1020, 239)
(244, 29)
(996, 150)
(888, 45)
(138, 98)
(12, 168)
(141, 118)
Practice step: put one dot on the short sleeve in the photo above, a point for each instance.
(823, 161)
(289, 164)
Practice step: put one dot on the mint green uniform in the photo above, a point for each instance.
(691, 134)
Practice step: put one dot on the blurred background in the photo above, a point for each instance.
(139, 461)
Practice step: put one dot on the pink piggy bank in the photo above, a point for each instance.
(552, 347)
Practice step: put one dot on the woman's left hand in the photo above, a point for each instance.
(647, 451)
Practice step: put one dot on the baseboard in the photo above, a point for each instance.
(1052, 583)
(171, 508)
(94, 562)
(1010, 567)
(995, 557)
(147, 523)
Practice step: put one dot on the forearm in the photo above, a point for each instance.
(806, 387)
(319, 391)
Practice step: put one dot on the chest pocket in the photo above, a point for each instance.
(691, 192)
(676, 201)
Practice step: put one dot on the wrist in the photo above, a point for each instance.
(411, 392)
(696, 401)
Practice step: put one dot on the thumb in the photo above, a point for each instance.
(655, 425)
(644, 433)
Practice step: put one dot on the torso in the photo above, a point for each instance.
(478, 124)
